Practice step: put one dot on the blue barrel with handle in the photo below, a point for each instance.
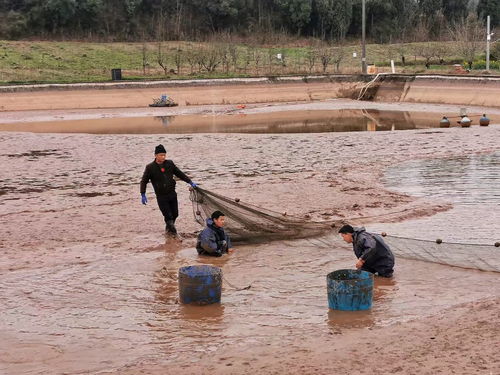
(200, 285)
(350, 290)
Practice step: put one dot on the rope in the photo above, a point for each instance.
(167, 273)
(466, 115)
(438, 241)
(235, 287)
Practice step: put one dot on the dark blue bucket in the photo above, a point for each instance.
(350, 290)
(200, 285)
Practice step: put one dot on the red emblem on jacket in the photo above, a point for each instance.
(163, 169)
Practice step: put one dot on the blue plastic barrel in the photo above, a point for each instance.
(200, 285)
(350, 290)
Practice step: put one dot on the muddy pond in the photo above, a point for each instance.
(86, 271)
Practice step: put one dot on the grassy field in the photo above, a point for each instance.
(66, 62)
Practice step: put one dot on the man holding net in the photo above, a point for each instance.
(213, 240)
(373, 254)
(161, 173)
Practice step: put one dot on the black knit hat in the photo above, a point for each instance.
(160, 150)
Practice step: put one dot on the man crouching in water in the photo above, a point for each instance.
(213, 240)
(373, 254)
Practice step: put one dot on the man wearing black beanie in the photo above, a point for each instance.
(373, 254)
(161, 173)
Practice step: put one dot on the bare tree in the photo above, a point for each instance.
(211, 58)
(468, 33)
(440, 51)
(248, 57)
(192, 59)
(257, 58)
(178, 59)
(233, 53)
(161, 58)
(270, 59)
(224, 55)
(402, 51)
(145, 62)
(338, 55)
(311, 56)
(428, 51)
(326, 55)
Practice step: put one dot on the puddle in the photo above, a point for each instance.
(276, 122)
(471, 184)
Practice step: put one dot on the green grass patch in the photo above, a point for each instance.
(69, 62)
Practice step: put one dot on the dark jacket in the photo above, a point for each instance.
(213, 240)
(373, 250)
(162, 177)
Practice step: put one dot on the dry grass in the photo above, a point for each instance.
(64, 62)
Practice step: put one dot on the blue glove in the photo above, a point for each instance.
(193, 185)
(144, 199)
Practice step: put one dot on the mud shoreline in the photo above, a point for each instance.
(82, 260)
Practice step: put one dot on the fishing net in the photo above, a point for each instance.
(481, 257)
(251, 224)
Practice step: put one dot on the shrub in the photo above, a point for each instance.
(481, 64)
(495, 51)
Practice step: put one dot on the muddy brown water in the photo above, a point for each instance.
(87, 278)
(471, 183)
(123, 309)
(317, 121)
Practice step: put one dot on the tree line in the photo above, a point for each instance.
(134, 20)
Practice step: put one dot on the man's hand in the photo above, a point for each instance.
(359, 263)
(143, 198)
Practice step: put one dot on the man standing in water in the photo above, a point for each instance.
(161, 174)
(373, 254)
(213, 240)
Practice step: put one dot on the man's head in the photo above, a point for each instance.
(346, 232)
(218, 218)
(160, 154)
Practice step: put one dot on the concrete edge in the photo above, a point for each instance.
(239, 81)
(184, 83)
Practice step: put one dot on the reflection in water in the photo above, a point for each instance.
(383, 291)
(208, 313)
(275, 122)
(470, 183)
(350, 319)
(165, 120)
